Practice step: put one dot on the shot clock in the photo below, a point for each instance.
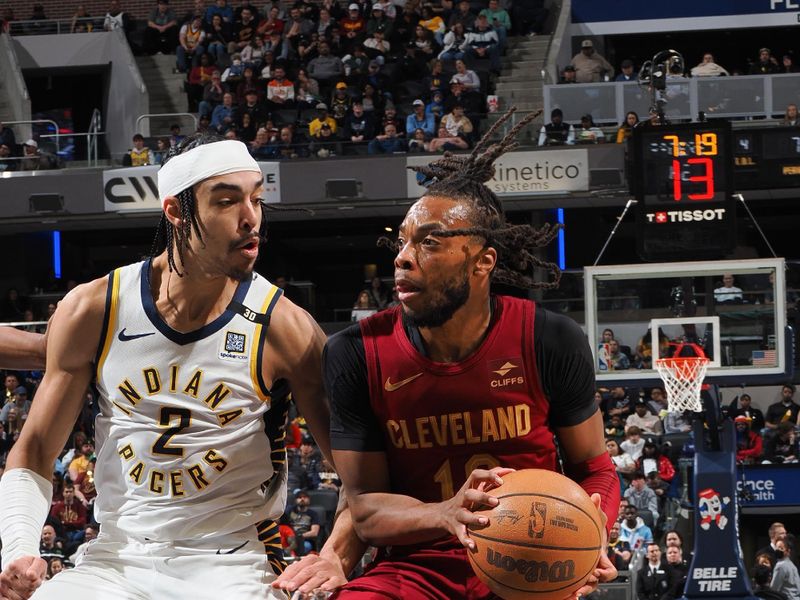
(682, 180)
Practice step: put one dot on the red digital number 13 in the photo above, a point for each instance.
(707, 177)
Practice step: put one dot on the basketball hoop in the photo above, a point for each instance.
(683, 378)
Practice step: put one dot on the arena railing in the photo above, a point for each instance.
(52, 26)
(175, 115)
(95, 130)
(738, 97)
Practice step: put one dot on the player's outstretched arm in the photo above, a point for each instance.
(26, 488)
(386, 519)
(21, 349)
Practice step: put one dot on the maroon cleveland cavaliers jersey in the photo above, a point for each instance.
(442, 420)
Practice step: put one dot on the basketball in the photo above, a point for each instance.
(543, 539)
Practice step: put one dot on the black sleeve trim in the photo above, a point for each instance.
(566, 368)
(353, 422)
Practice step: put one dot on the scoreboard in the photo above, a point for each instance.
(767, 158)
(682, 179)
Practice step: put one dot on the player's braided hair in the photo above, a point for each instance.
(462, 177)
(172, 237)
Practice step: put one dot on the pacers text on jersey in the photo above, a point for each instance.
(461, 428)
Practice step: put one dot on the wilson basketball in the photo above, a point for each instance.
(543, 539)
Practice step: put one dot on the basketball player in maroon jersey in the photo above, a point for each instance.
(435, 400)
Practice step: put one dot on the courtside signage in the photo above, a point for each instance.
(136, 188)
(533, 173)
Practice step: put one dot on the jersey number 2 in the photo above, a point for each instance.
(168, 414)
(444, 476)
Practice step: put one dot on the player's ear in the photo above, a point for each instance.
(486, 261)
(172, 210)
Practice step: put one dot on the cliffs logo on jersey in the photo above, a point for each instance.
(507, 374)
(234, 347)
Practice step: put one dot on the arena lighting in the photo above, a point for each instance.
(387, 229)
(46, 203)
(57, 254)
(562, 258)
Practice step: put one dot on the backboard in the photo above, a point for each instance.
(734, 310)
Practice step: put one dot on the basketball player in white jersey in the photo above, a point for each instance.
(190, 351)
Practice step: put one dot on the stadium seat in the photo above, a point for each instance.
(327, 499)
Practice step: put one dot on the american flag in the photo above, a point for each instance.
(764, 358)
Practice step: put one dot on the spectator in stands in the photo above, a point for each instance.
(234, 73)
(262, 147)
(676, 422)
(6, 160)
(652, 580)
(776, 533)
(626, 129)
(647, 422)
(199, 77)
(7, 138)
(463, 15)
(568, 75)
(790, 116)
(221, 9)
(70, 513)
(454, 42)
(359, 126)
(484, 43)
(588, 132)
(624, 464)
(280, 91)
(432, 23)
(390, 116)
(353, 27)
(379, 21)
(657, 402)
(307, 90)
(632, 528)
(633, 443)
(785, 578)
(273, 22)
(425, 44)
(18, 402)
(161, 33)
(787, 64)
(388, 142)
(766, 63)
(677, 572)
(244, 30)
(618, 551)
(191, 37)
(246, 127)
(35, 159)
(373, 102)
(254, 53)
(115, 18)
(322, 117)
(589, 66)
(743, 405)
(324, 145)
(305, 523)
(785, 410)
(728, 292)
(627, 72)
(708, 68)
(781, 446)
(297, 26)
(363, 307)
(218, 36)
(326, 68)
(652, 461)
(499, 19)
(436, 106)
(54, 566)
(457, 123)
(762, 575)
(50, 545)
(749, 445)
(376, 46)
(641, 496)
(420, 120)
(223, 116)
(556, 132)
(445, 141)
(469, 79)
(619, 403)
(81, 21)
(213, 92)
(458, 95)
(614, 359)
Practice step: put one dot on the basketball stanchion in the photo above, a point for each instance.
(717, 569)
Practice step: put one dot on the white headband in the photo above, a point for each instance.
(202, 162)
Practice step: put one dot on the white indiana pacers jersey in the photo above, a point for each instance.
(183, 434)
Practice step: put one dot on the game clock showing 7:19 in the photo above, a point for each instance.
(682, 180)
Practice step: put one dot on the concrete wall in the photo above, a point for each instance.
(127, 97)
(14, 89)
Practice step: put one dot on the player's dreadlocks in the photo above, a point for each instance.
(462, 178)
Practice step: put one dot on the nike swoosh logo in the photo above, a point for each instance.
(234, 550)
(122, 337)
(390, 387)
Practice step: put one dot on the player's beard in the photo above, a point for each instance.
(452, 295)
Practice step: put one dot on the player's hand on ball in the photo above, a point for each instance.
(605, 570)
(20, 579)
(310, 574)
(457, 513)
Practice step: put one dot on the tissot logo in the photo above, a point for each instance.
(686, 216)
(133, 188)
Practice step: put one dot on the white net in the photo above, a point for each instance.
(683, 380)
